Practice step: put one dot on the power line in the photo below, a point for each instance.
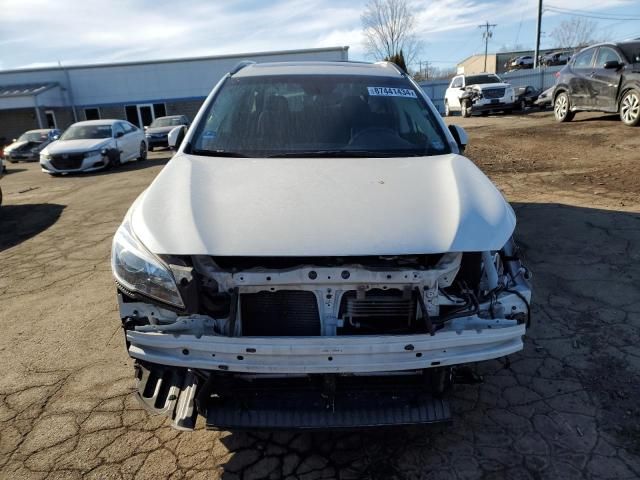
(581, 13)
(487, 34)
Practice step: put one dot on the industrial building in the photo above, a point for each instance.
(139, 92)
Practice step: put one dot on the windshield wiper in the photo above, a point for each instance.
(217, 153)
(347, 154)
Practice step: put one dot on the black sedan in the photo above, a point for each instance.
(27, 146)
(601, 78)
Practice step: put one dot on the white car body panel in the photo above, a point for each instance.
(321, 207)
(73, 146)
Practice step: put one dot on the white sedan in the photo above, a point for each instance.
(94, 145)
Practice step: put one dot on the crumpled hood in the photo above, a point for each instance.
(70, 146)
(321, 207)
(160, 129)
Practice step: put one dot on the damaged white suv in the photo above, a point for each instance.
(325, 258)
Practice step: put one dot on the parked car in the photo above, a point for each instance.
(317, 254)
(525, 96)
(603, 78)
(29, 145)
(545, 99)
(157, 132)
(525, 61)
(555, 58)
(484, 92)
(94, 145)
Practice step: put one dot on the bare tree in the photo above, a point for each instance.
(431, 72)
(576, 33)
(389, 27)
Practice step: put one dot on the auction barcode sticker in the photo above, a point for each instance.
(391, 92)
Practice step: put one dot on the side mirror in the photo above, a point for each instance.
(460, 136)
(55, 137)
(119, 134)
(612, 64)
(175, 137)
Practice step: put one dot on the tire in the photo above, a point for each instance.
(447, 112)
(630, 108)
(485, 113)
(150, 149)
(465, 108)
(143, 152)
(562, 108)
(523, 105)
(508, 111)
(114, 159)
(13, 161)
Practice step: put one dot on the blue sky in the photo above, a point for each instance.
(41, 32)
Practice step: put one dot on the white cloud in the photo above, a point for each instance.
(92, 31)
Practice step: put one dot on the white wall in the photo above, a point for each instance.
(148, 81)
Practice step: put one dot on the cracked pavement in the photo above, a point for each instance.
(566, 407)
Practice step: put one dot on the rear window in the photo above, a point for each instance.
(319, 115)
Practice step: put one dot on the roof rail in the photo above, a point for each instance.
(240, 65)
(386, 63)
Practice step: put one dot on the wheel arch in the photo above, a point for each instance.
(624, 89)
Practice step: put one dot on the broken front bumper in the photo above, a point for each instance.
(342, 354)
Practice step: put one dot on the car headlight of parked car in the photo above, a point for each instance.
(99, 151)
(45, 156)
(139, 270)
(511, 92)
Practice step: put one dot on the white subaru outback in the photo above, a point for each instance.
(484, 92)
(326, 257)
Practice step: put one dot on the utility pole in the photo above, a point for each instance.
(487, 34)
(538, 27)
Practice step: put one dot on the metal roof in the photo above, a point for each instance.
(176, 60)
(381, 69)
(25, 89)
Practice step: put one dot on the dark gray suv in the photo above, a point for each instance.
(602, 78)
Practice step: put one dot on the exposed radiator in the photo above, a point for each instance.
(282, 313)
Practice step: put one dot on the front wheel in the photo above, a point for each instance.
(630, 108)
(562, 108)
(466, 108)
(143, 151)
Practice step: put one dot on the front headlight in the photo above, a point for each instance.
(45, 156)
(139, 270)
(99, 151)
(510, 92)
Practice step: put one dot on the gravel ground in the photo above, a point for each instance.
(565, 407)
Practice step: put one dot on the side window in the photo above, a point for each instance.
(606, 54)
(118, 130)
(457, 82)
(583, 60)
(128, 128)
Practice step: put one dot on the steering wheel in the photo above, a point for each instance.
(379, 136)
